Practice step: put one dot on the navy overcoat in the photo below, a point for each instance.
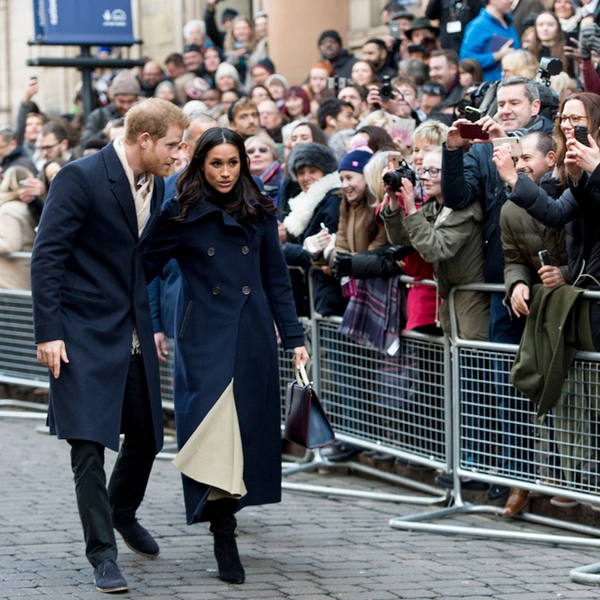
(234, 286)
(89, 289)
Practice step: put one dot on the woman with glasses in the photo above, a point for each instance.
(265, 162)
(452, 240)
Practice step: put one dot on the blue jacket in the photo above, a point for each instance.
(234, 286)
(478, 35)
(88, 289)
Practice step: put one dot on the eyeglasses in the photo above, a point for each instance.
(573, 119)
(47, 148)
(432, 90)
(432, 172)
(262, 150)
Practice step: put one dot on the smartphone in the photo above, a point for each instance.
(545, 258)
(348, 284)
(470, 131)
(393, 161)
(581, 134)
(572, 42)
(22, 182)
(472, 114)
(513, 142)
(416, 49)
(395, 29)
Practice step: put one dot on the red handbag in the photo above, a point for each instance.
(306, 423)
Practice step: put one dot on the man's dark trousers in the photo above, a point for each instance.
(97, 505)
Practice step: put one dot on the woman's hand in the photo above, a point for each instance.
(586, 158)
(573, 169)
(408, 195)
(505, 165)
(300, 357)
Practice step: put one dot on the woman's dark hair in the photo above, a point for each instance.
(318, 137)
(379, 138)
(61, 162)
(192, 184)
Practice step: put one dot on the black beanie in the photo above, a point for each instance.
(312, 155)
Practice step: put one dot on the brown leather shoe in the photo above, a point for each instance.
(517, 501)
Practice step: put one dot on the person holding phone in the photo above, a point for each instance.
(491, 36)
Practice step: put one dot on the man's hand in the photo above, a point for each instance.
(519, 299)
(51, 353)
(551, 276)
(492, 128)
(453, 137)
(506, 49)
(505, 165)
(282, 232)
(160, 341)
(31, 89)
(33, 187)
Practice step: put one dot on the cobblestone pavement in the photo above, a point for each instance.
(306, 548)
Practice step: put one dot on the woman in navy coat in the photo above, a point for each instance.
(234, 289)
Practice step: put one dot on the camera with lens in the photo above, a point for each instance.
(548, 67)
(393, 179)
(386, 90)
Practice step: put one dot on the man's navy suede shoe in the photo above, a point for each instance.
(138, 539)
(108, 577)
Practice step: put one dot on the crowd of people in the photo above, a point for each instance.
(457, 150)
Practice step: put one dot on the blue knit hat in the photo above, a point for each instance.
(355, 161)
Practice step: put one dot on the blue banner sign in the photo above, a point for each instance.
(83, 22)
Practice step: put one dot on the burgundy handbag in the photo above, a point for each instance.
(306, 423)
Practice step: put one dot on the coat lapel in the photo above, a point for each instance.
(155, 205)
(120, 186)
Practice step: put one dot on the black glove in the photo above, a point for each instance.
(398, 252)
(342, 264)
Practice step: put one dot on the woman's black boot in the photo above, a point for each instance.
(222, 525)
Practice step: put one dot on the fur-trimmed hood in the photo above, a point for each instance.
(303, 206)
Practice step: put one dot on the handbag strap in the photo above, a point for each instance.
(301, 376)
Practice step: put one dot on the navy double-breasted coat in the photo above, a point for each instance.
(89, 289)
(234, 286)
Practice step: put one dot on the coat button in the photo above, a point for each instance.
(216, 291)
(210, 252)
(245, 290)
(245, 250)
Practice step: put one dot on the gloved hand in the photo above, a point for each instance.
(315, 244)
(595, 40)
(342, 264)
(397, 253)
(588, 36)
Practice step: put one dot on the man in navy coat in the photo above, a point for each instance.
(93, 328)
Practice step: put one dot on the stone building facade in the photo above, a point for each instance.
(294, 25)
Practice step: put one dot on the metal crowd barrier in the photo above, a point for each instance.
(397, 405)
(498, 440)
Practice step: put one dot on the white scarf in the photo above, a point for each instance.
(303, 206)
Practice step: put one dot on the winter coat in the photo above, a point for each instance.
(18, 157)
(234, 284)
(477, 39)
(357, 230)
(421, 300)
(89, 289)
(97, 121)
(446, 11)
(342, 67)
(16, 235)
(319, 204)
(523, 237)
(452, 241)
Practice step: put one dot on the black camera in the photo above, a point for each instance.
(477, 100)
(386, 91)
(393, 179)
(548, 67)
